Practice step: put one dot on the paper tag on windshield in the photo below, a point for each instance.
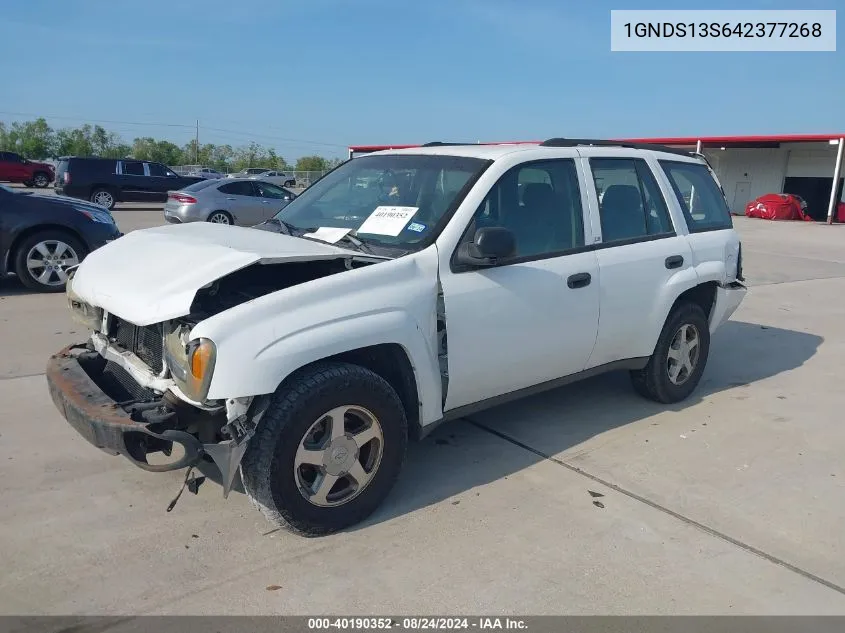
(328, 234)
(388, 220)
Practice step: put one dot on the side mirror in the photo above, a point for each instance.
(489, 245)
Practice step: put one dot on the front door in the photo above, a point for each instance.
(273, 199)
(533, 317)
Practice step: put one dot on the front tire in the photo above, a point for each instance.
(41, 180)
(328, 449)
(675, 368)
(42, 260)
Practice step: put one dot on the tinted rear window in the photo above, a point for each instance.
(197, 186)
(701, 199)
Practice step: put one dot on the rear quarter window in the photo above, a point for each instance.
(701, 199)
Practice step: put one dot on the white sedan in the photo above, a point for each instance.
(281, 178)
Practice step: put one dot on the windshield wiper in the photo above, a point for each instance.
(290, 228)
(348, 239)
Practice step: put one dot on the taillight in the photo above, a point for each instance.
(181, 198)
(67, 177)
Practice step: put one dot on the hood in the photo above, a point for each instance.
(153, 275)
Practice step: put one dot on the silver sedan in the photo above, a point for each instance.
(237, 201)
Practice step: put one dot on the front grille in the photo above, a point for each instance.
(119, 385)
(144, 342)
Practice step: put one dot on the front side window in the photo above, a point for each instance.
(131, 168)
(404, 202)
(540, 203)
(698, 194)
(267, 190)
(630, 203)
(157, 169)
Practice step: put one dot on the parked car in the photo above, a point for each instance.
(16, 168)
(42, 237)
(107, 181)
(230, 201)
(281, 178)
(305, 356)
(207, 173)
(251, 171)
(778, 206)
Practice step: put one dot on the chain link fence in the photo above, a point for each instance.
(303, 178)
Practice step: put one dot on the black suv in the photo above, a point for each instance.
(107, 181)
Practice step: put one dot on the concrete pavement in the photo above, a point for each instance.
(730, 503)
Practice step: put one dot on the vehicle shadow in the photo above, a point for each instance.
(460, 456)
(10, 286)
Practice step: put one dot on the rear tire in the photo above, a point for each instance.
(290, 183)
(104, 198)
(42, 258)
(220, 217)
(287, 467)
(675, 368)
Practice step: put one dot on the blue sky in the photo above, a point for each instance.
(313, 76)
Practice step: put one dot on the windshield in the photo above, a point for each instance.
(393, 200)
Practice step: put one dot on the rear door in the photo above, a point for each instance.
(12, 167)
(714, 243)
(134, 182)
(641, 256)
(243, 202)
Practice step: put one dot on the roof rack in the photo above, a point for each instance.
(576, 142)
(442, 144)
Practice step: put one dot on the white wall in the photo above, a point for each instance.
(748, 173)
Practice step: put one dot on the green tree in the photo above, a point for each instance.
(311, 163)
(148, 148)
(74, 141)
(4, 138)
(33, 139)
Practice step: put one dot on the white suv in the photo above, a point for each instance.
(305, 355)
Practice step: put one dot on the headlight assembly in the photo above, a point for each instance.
(191, 362)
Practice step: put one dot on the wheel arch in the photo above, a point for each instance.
(112, 189)
(391, 362)
(680, 290)
(32, 230)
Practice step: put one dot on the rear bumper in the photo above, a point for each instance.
(132, 432)
(728, 299)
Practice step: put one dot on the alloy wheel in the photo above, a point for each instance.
(338, 456)
(49, 260)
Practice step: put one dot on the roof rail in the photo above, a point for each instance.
(442, 144)
(576, 142)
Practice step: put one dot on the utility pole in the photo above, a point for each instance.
(197, 146)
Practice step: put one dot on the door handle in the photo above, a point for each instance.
(579, 280)
(675, 261)
(232, 199)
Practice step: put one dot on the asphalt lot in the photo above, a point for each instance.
(730, 503)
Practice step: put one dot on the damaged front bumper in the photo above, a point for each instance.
(137, 429)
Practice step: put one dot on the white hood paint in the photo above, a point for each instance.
(152, 275)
